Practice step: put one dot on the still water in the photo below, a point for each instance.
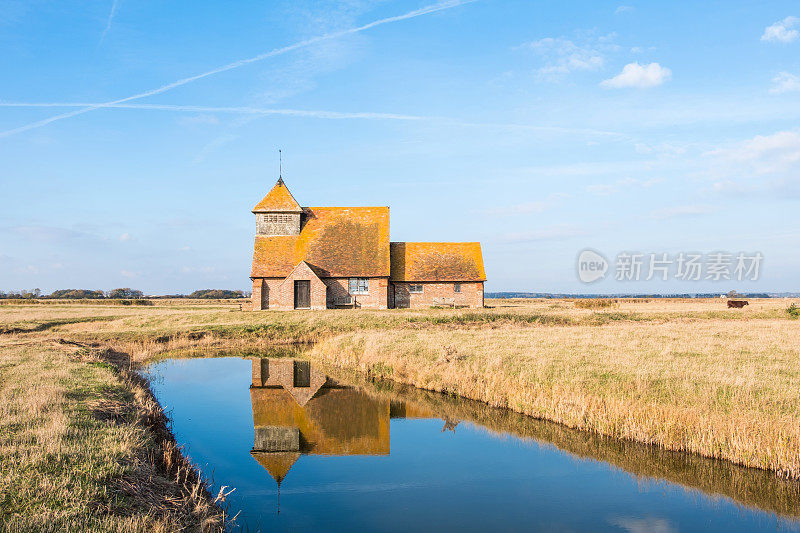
(309, 450)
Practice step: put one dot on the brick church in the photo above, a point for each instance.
(328, 257)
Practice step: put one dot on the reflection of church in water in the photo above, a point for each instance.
(298, 410)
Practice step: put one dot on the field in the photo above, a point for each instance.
(685, 375)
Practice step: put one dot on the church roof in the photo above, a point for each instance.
(437, 261)
(334, 241)
(276, 463)
(336, 421)
(278, 199)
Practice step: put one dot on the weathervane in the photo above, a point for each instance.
(280, 165)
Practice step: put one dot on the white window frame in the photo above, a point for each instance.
(358, 286)
(416, 288)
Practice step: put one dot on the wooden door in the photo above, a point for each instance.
(302, 374)
(302, 294)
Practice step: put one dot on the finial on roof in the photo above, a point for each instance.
(280, 167)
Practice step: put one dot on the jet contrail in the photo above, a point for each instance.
(236, 64)
(335, 115)
(224, 109)
(110, 19)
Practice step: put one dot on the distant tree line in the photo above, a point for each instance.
(731, 294)
(116, 294)
(216, 294)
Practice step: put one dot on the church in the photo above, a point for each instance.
(341, 257)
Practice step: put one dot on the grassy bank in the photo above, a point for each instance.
(685, 375)
(84, 446)
(699, 387)
(750, 487)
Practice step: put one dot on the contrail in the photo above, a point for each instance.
(110, 19)
(322, 114)
(224, 109)
(236, 64)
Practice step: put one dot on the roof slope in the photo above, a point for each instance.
(437, 261)
(277, 464)
(334, 241)
(278, 199)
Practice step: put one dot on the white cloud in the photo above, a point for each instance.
(778, 153)
(525, 208)
(682, 211)
(49, 234)
(782, 31)
(667, 149)
(563, 56)
(644, 525)
(125, 237)
(199, 269)
(127, 274)
(765, 164)
(623, 9)
(785, 82)
(606, 189)
(548, 234)
(640, 76)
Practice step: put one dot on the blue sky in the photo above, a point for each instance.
(135, 136)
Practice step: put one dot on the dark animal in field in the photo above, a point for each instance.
(737, 304)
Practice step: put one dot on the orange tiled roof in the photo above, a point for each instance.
(276, 463)
(437, 261)
(278, 199)
(334, 241)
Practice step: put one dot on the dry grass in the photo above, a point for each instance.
(751, 487)
(686, 375)
(84, 446)
(700, 386)
(598, 303)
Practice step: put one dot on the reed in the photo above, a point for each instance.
(682, 374)
(85, 446)
(700, 387)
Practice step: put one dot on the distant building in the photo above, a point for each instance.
(327, 257)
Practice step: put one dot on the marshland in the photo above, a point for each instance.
(85, 443)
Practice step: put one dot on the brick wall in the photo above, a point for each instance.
(256, 299)
(376, 299)
(278, 294)
(318, 288)
(471, 294)
(266, 293)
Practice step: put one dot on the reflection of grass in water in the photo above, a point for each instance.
(746, 486)
(703, 387)
(684, 374)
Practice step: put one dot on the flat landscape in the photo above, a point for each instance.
(685, 375)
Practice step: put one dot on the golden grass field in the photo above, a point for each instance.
(684, 375)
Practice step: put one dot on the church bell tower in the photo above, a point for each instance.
(278, 213)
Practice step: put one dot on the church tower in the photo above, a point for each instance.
(278, 213)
